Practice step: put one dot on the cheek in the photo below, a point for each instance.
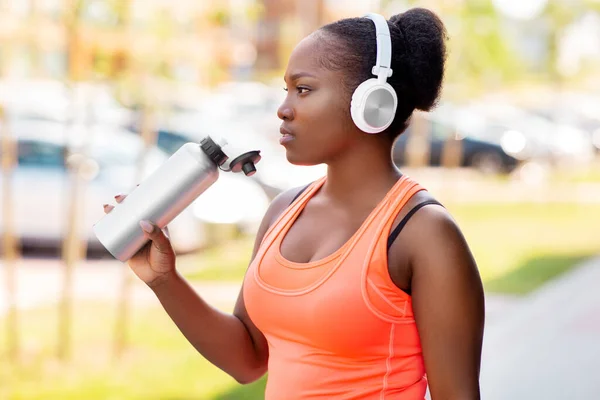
(324, 117)
(324, 128)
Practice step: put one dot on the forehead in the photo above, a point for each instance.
(305, 57)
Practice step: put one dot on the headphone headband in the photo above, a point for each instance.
(382, 68)
(374, 101)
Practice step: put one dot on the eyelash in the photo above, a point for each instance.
(299, 88)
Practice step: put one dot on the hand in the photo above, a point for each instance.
(155, 262)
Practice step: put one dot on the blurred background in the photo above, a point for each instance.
(96, 94)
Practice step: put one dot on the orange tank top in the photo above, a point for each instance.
(337, 328)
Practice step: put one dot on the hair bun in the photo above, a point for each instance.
(424, 37)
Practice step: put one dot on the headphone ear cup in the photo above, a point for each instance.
(357, 103)
(373, 106)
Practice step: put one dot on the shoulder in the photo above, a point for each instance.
(282, 201)
(277, 206)
(431, 242)
(432, 222)
(438, 252)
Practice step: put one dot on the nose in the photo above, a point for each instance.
(285, 112)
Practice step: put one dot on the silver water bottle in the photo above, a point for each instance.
(164, 194)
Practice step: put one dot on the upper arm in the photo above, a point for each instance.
(448, 304)
(277, 206)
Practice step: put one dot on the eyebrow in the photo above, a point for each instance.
(299, 75)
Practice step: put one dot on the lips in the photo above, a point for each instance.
(285, 132)
(286, 135)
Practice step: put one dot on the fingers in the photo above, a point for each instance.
(108, 208)
(158, 237)
(119, 198)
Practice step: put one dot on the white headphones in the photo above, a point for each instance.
(374, 101)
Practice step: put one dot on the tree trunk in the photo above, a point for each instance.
(71, 247)
(452, 153)
(134, 71)
(417, 145)
(9, 245)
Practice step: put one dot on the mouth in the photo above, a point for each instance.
(286, 135)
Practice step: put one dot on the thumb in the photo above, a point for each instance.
(159, 240)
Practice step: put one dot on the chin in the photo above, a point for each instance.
(297, 159)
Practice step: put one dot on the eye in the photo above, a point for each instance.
(299, 89)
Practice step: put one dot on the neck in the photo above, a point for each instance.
(366, 170)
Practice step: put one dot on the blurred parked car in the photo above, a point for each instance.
(575, 118)
(485, 156)
(41, 182)
(525, 135)
(52, 100)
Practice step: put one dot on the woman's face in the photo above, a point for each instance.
(316, 119)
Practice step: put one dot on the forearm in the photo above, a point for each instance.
(220, 337)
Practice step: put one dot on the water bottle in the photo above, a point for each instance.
(164, 194)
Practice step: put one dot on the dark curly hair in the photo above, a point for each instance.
(418, 58)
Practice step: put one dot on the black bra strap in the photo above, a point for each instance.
(300, 192)
(402, 223)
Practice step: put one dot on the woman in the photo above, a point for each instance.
(361, 286)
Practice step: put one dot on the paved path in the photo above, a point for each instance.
(548, 347)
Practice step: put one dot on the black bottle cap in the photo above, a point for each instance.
(213, 151)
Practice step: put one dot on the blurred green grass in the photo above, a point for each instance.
(159, 363)
(519, 247)
(588, 174)
(227, 262)
(529, 243)
(534, 273)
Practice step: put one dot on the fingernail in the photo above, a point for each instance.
(119, 195)
(104, 205)
(146, 226)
